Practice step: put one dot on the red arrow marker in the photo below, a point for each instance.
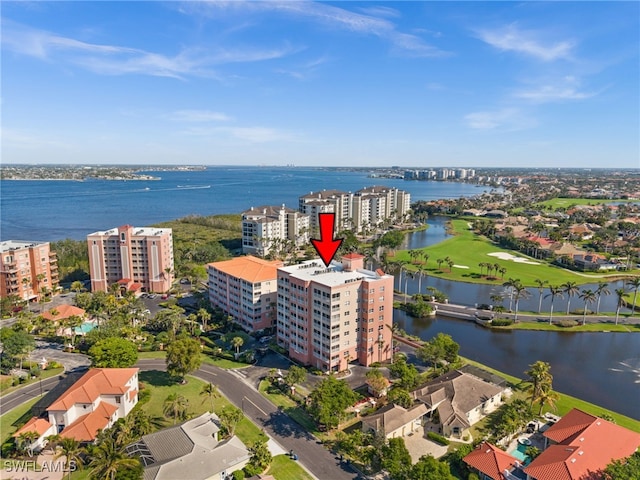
(326, 246)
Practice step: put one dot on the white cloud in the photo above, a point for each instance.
(198, 116)
(118, 60)
(553, 93)
(506, 119)
(528, 42)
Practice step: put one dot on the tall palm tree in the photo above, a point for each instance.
(520, 292)
(439, 261)
(421, 272)
(204, 317)
(547, 396)
(107, 460)
(541, 284)
(175, 406)
(538, 375)
(588, 296)
(554, 291)
(70, 449)
(620, 293)
(634, 283)
(211, 391)
(571, 289)
(25, 439)
(601, 290)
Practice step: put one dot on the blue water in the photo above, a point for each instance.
(53, 210)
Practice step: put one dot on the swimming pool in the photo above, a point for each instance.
(520, 455)
(85, 328)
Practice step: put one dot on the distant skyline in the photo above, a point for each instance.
(417, 84)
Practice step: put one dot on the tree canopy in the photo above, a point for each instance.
(183, 357)
(113, 352)
(441, 348)
(330, 400)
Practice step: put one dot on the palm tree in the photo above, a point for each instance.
(547, 396)
(571, 289)
(237, 342)
(25, 440)
(601, 290)
(421, 271)
(439, 261)
(107, 460)
(425, 255)
(204, 317)
(520, 292)
(176, 406)
(554, 291)
(502, 270)
(481, 265)
(77, 286)
(71, 450)
(635, 284)
(539, 375)
(620, 293)
(541, 284)
(211, 391)
(587, 296)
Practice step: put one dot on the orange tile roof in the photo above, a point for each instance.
(249, 268)
(97, 381)
(86, 427)
(35, 424)
(64, 311)
(586, 445)
(490, 460)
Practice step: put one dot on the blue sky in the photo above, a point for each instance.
(342, 83)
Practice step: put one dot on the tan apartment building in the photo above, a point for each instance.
(366, 208)
(267, 229)
(328, 317)
(27, 269)
(138, 259)
(245, 288)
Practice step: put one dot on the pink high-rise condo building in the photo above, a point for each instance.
(138, 259)
(328, 317)
(27, 270)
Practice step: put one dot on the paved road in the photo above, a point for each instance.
(291, 436)
(24, 394)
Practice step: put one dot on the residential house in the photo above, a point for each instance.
(190, 450)
(460, 400)
(580, 446)
(491, 463)
(95, 402)
(395, 421)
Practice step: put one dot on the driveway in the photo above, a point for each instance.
(418, 445)
(53, 351)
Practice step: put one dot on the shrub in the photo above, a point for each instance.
(501, 322)
(437, 438)
(473, 476)
(567, 323)
(238, 475)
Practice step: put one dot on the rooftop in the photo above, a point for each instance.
(332, 276)
(249, 268)
(11, 245)
(490, 460)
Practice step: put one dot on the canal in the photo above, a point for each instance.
(599, 367)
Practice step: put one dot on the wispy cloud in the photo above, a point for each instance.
(119, 60)
(379, 11)
(566, 89)
(334, 17)
(506, 119)
(198, 116)
(532, 43)
(305, 70)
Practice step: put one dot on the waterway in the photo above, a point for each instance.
(599, 367)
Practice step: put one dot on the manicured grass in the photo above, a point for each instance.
(45, 374)
(554, 203)
(218, 362)
(565, 402)
(290, 407)
(11, 421)
(161, 387)
(283, 468)
(589, 327)
(146, 355)
(469, 249)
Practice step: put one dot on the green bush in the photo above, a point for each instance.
(473, 476)
(567, 323)
(238, 475)
(501, 322)
(437, 438)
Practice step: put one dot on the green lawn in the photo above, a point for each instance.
(290, 407)
(218, 362)
(566, 202)
(566, 402)
(589, 327)
(11, 421)
(161, 387)
(468, 249)
(283, 468)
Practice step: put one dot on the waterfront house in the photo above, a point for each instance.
(190, 450)
(460, 400)
(395, 421)
(580, 446)
(491, 463)
(95, 402)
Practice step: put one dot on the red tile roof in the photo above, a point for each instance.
(586, 445)
(35, 424)
(96, 382)
(86, 427)
(490, 460)
(63, 311)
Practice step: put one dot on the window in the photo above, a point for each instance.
(381, 309)
(122, 237)
(118, 399)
